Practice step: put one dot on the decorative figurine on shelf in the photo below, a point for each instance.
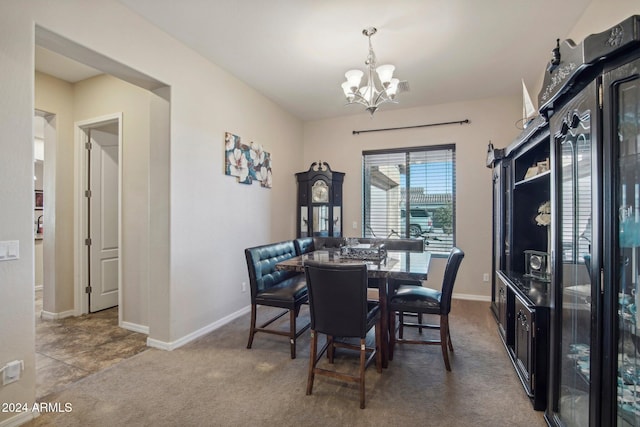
(537, 169)
(555, 58)
(493, 154)
(544, 214)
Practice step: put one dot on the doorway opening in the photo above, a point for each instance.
(100, 148)
(70, 312)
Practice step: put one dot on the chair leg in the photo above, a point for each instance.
(331, 349)
(401, 325)
(252, 329)
(379, 347)
(363, 359)
(312, 361)
(292, 332)
(420, 322)
(392, 335)
(444, 339)
(449, 336)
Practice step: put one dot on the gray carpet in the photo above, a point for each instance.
(216, 381)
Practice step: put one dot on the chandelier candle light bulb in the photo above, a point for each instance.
(369, 95)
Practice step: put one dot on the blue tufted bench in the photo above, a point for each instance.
(275, 288)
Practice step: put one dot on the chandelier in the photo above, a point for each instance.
(370, 94)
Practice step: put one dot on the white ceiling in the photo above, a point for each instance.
(296, 51)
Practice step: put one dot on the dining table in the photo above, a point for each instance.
(396, 264)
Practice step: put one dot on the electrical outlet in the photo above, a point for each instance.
(355, 225)
(485, 277)
(11, 371)
(244, 287)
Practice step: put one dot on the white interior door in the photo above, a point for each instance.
(103, 206)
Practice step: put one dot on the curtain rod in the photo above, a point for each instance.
(461, 122)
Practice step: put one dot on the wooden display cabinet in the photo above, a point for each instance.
(566, 296)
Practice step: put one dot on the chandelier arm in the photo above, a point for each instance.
(362, 101)
(381, 98)
(359, 100)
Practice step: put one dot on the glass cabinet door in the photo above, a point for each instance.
(627, 194)
(321, 221)
(574, 302)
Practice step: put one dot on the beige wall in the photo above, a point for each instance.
(491, 120)
(210, 218)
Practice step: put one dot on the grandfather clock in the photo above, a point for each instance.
(320, 201)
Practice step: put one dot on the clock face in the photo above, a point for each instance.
(535, 262)
(320, 192)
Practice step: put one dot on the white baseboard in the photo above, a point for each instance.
(163, 345)
(472, 297)
(19, 419)
(47, 315)
(135, 327)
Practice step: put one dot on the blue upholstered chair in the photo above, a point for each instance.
(275, 288)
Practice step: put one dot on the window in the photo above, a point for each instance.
(420, 181)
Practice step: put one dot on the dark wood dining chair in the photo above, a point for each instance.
(407, 298)
(275, 288)
(339, 309)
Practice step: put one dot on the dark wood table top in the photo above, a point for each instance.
(397, 264)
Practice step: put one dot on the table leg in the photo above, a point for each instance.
(384, 333)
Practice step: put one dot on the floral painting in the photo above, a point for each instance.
(247, 162)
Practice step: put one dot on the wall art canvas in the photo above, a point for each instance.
(247, 162)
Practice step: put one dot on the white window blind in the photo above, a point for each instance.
(410, 193)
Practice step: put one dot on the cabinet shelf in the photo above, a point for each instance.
(537, 178)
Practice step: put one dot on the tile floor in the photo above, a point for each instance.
(72, 348)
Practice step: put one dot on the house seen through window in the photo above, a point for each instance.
(410, 193)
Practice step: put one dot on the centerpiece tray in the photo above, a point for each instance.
(365, 252)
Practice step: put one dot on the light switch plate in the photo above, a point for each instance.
(9, 250)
